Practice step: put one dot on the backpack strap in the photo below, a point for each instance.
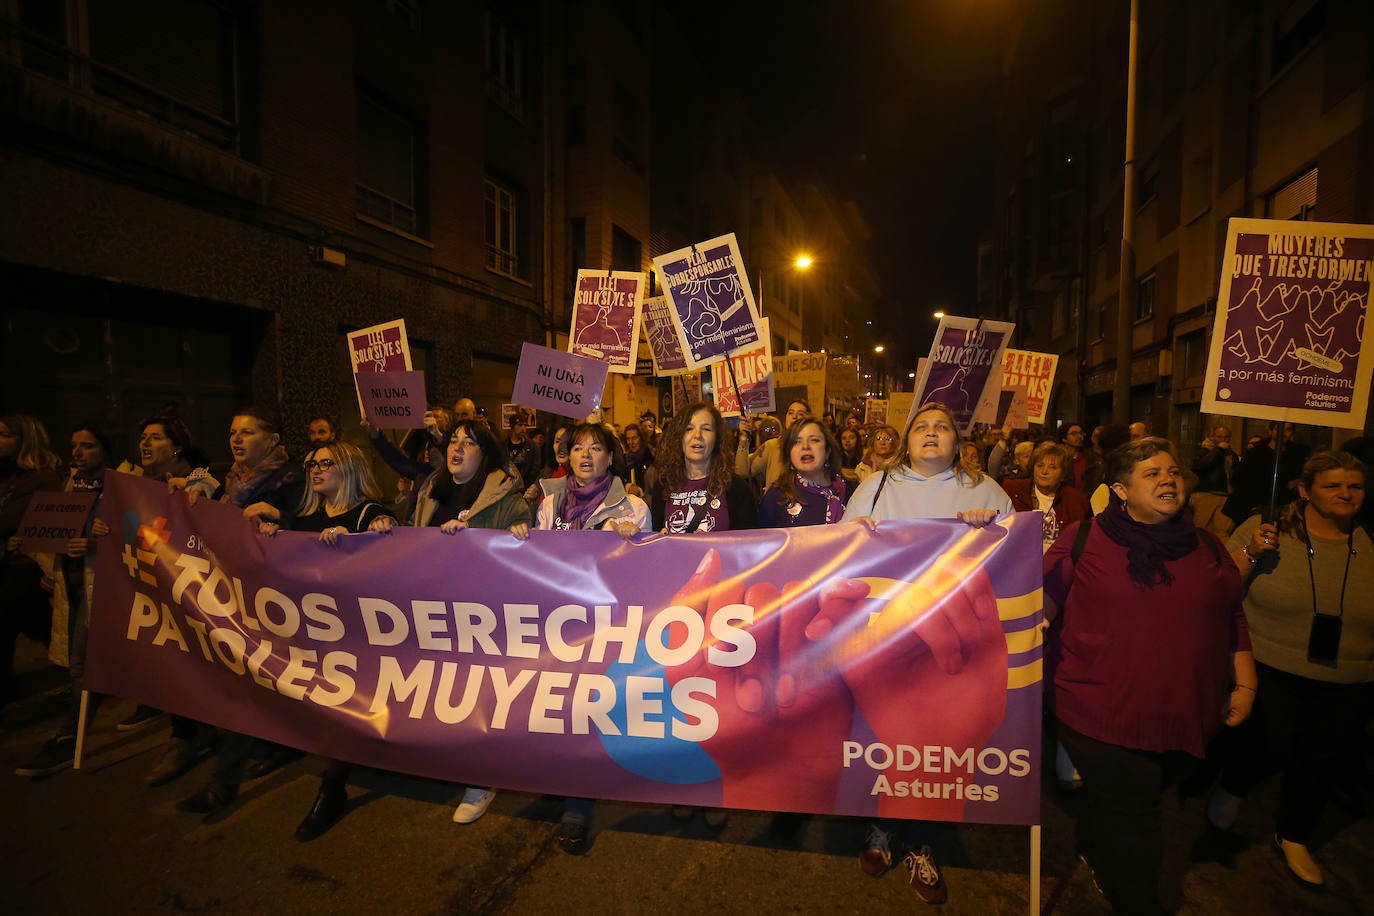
(881, 483)
(1081, 539)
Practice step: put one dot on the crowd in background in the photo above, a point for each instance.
(1223, 610)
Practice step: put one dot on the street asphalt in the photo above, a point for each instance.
(99, 840)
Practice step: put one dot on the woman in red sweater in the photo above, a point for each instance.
(1150, 656)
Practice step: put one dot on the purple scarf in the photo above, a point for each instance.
(581, 502)
(834, 505)
(242, 485)
(1149, 546)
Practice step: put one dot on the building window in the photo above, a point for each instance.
(1147, 182)
(387, 168)
(503, 66)
(626, 252)
(178, 63)
(1145, 298)
(1295, 200)
(500, 216)
(1299, 26)
(1059, 228)
(1192, 353)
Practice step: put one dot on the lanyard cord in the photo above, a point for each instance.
(1345, 577)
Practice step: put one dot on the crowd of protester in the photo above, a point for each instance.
(1221, 611)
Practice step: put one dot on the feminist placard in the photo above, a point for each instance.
(965, 362)
(560, 383)
(665, 346)
(52, 519)
(380, 348)
(890, 670)
(1288, 342)
(712, 304)
(605, 318)
(1035, 373)
(746, 376)
(392, 400)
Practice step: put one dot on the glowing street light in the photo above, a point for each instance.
(879, 348)
(937, 315)
(802, 262)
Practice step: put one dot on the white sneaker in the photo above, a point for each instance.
(475, 804)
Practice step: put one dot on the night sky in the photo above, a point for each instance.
(893, 103)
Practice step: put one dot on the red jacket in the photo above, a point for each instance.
(1070, 505)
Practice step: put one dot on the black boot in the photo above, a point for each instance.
(331, 803)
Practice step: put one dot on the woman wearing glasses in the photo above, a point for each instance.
(882, 446)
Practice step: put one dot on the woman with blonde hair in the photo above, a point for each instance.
(342, 498)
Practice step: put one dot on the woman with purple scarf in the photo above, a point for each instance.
(811, 490)
(589, 498)
(1149, 657)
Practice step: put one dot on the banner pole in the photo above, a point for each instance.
(1035, 869)
(739, 398)
(81, 729)
(683, 382)
(1272, 514)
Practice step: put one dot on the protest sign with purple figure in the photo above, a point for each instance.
(380, 348)
(664, 343)
(1288, 343)
(712, 303)
(965, 359)
(605, 317)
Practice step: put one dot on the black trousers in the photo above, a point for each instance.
(25, 607)
(1119, 829)
(1307, 729)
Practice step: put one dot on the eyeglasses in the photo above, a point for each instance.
(324, 464)
(883, 439)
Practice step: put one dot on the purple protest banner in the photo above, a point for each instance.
(965, 360)
(52, 519)
(561, 383)
(392, 400)
(712, 303)
(890, 670)
(1288, 343)
(664, 344)
(605, 318)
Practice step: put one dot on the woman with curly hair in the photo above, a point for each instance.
(697, 488)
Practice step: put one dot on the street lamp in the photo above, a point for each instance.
(801, 262)
(937, 315)
(879, 348)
